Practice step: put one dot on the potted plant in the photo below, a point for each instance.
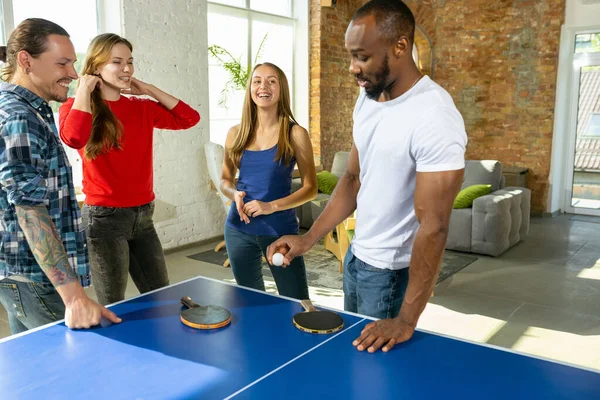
(238, 72)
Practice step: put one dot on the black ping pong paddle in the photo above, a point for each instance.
(204, 317)
(315, 321)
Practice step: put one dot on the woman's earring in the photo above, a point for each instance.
(27, 70)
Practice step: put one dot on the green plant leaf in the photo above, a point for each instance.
(238, 73)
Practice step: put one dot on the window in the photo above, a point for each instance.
(242, 28)
(2, 26)
(587, 43)
(82, 28)
(281, 7)
(236, 3)
(593, 126)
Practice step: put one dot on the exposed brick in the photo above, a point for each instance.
(497, 59)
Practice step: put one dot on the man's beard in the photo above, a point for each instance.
(380, 81)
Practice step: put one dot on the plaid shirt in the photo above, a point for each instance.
(35, 170)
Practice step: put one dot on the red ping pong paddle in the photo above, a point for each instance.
(315, 321)
(204, 317)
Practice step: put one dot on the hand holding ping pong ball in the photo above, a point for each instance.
(278, 259)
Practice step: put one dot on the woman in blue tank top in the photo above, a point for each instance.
(265, 147)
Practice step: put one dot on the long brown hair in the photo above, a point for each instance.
(248, 125)
(31, 36)
(106, 128)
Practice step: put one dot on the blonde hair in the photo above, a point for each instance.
(107, 130)
(248, 125)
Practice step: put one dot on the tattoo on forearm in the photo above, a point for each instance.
(45, 244)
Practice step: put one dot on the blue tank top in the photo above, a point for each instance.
(265, 179)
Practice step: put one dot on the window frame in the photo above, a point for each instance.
(103, 24)
(298, 21)
(592, 123)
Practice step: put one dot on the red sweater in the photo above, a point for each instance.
(123, 178)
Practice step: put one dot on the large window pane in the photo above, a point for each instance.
(223, 106)
(82, 27)
(587, 43)
(593, 126)
(78, 17)
(277, 7)
(229, 28)
(237, 3)
(278, 47)
(230, 33)
(2, 28)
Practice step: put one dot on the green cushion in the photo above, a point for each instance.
(326, 182)
(350, 235)
(465, 197)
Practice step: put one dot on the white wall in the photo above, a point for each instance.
(171, 51)
(578, 14)
(578, 17)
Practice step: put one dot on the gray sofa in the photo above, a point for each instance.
(492, 225)
(308, 212)
(496, 221)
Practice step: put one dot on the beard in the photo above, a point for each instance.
(379, 84)
(59, 95)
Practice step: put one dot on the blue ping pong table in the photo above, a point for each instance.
(261, 355)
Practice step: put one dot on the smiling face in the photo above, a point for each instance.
(53, 70)
(265, 87)
(118, 70)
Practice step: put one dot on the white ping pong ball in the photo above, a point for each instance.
(278, 259)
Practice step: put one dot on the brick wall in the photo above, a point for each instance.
(500, 63)
(187, 210)
(333, 90)
(498, 60)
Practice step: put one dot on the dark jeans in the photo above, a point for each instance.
(29, 304)
(373, 291)
(245, 253)
(122, 240)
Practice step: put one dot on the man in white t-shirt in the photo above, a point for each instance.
(405, 169)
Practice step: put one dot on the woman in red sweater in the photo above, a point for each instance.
(113, 134)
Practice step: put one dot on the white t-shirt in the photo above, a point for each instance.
(420, 131)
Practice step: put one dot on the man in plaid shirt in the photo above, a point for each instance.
(43, 257)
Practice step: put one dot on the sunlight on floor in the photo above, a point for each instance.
(473, 327)
(591, 273)
(586, 203)
(320, 296)
(562, 346)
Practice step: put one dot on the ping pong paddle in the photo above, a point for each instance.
(204, 317)
(315, 321)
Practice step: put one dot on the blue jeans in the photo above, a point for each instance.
(29, 304)
(245, 253)
(372, 291)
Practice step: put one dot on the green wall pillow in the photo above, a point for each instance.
(465, 197)
(326, 182)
